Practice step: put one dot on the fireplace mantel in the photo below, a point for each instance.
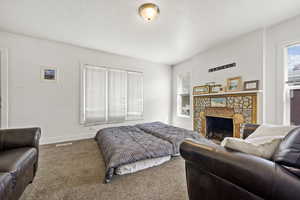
(227, 93)
(218, 112)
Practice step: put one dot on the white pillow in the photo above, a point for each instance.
(260, 146)
(271, 130)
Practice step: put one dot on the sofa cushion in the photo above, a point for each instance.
(271, 130)
(288, 152)
(15, 160)
(6, 186)
(261, 146)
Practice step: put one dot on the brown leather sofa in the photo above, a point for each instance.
(19, 150)
(216, 173)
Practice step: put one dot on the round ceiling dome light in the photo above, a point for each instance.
(148, 11)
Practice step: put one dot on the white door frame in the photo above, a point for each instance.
(4, 87)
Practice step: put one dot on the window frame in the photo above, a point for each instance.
(83, 95)
(287, 93)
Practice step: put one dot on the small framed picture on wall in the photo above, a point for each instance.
(216, 88)
(251, 85)
(234, 84)
(49, 74)
(203, 89)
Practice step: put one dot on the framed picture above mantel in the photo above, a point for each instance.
(251, 85)
(216, 88)
(234, 84)
(198, 90)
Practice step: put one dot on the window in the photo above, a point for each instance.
(293, 64)
(183, 95)
(293, 85)
(110, 95)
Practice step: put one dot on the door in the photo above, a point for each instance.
(295, 107)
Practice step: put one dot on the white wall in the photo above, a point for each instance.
(246, 51)
(55, 107)
(259, 55)
(277, 37)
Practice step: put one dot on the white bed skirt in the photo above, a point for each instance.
(140, 165)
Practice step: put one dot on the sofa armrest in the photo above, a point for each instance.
(256, 175)
(16, 138)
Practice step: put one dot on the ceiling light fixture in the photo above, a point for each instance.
(148, 11)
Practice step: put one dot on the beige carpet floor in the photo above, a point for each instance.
(76, 172)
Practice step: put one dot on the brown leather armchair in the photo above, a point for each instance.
(19, 150)
(216, 173)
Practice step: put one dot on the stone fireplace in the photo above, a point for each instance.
(222, 120)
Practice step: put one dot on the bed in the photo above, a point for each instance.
(172, 134)
(128, 149)
(128, 144)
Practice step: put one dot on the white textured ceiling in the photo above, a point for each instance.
(184, 27)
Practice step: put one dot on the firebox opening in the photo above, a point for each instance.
(218, 128)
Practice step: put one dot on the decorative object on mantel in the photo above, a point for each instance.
(210, 83)
(204, 89)
(221, 67)
(49, 74)
(234, 84)
(218, 102)
(251, 85)
(216, 88)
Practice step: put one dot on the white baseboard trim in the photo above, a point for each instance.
(58, 139)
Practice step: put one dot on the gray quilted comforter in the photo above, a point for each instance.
(128, 144)
(172, 134)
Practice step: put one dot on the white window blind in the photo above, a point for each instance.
(135, 95)
(116, 95)
(95, 94)
(110, 95)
